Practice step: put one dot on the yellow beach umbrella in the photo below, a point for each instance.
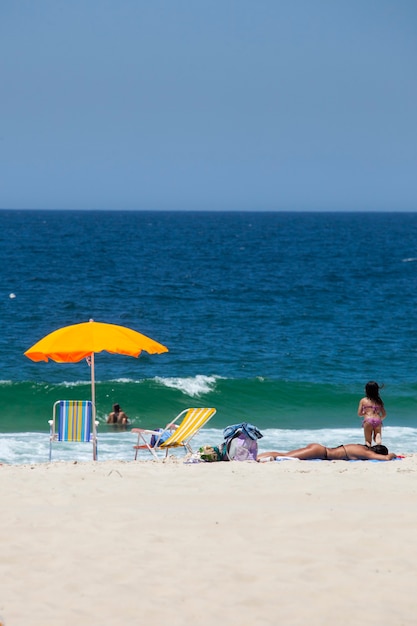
(71, 344)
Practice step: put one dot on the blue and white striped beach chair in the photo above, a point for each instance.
(73, 421)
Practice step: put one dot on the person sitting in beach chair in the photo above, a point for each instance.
(347, 452)
(180, 435)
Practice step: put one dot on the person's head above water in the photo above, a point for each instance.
(116, 408)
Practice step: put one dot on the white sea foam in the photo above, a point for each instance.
(78, 383)
(27, 448)
(72, 383)
(194, 386)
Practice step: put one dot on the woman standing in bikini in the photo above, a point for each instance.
(372, 410)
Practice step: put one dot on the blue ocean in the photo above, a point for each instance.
(278, 319)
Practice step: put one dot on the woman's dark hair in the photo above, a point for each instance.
(380, 449)
(372, 392)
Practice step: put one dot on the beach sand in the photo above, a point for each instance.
(291, 542)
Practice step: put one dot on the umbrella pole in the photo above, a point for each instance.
(93, 399)
(93, 387)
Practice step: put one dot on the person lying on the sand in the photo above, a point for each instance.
(347, 452)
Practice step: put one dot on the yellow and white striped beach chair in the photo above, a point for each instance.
(194, 419)
(73, 421)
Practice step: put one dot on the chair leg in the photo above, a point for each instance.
(137, 449)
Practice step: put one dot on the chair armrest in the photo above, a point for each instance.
(144, 430)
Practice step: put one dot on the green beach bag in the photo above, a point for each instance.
(210, 454)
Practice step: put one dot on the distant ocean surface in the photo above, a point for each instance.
(278, 319)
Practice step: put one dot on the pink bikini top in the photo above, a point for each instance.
(375, 408)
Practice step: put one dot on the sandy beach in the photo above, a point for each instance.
(293, 542)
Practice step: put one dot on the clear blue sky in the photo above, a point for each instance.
(208, 104)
